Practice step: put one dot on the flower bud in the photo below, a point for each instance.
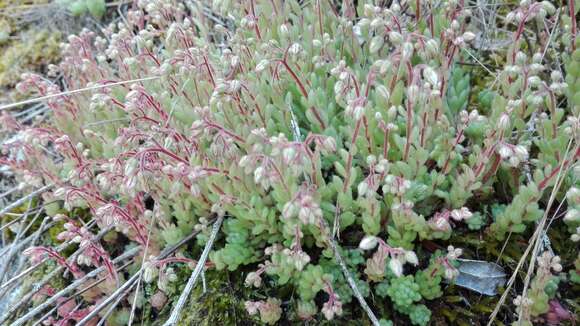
(362, 188)
(295, 48)
(262, 65)
(149, 273)
(573, 196)
(289, 153)
(431, 76)
(283, 30)
(521, 58)
(411, 257)
(503, 122)
(468, 36)
(573, 215)
(368, 242)
(396, 266)
(407, 51)
(395, 38)
(432, 47)
(376, 44)
(548, 7)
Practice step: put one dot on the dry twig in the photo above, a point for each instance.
(195, 274)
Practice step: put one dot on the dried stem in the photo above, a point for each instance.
(533, 243)
(75, 91)
(539, 239)
(24, 199)
(111, 298)
(113, 306)
(196, 272)
(349, 278)
(12, 252)
(60, 248)
(62, 293)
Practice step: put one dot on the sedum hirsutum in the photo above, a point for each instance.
(302, 122)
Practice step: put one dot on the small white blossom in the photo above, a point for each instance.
(396, 266)
(368, 242)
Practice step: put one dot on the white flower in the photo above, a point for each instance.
(253, 279)
(572, 215)
(453, 253)
(376, 44)
(396, 266)
(440, 223)
(503, 122)
(362, 188)
(252, 307)
(521, 152)
(505, 152)
(461, 214)
(368, 242)
(431, 76)
(468, 36)
(295, 48)
(573, 195)
(84, 260)
(262, 65)
(300, 259)
(411, 257)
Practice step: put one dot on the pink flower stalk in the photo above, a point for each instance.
(303, 206)
(397, 257)
(38, 254)
(441, 220)
(332, 307)
(92, 252)
(112, 213)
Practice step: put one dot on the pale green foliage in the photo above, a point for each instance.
(96, 8)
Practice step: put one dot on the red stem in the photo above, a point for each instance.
(493, 169)
(409, 126)
(544, 183)
(349, 160)
(446, 165)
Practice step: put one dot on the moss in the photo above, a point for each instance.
(34, 49)
(222, 304)
(24, 47)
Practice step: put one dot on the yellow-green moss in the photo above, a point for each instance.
(222, 304)
(24, 47)
(33, 50)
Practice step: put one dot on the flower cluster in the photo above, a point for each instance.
(539, 299)
(397, 258)
(269, 310)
